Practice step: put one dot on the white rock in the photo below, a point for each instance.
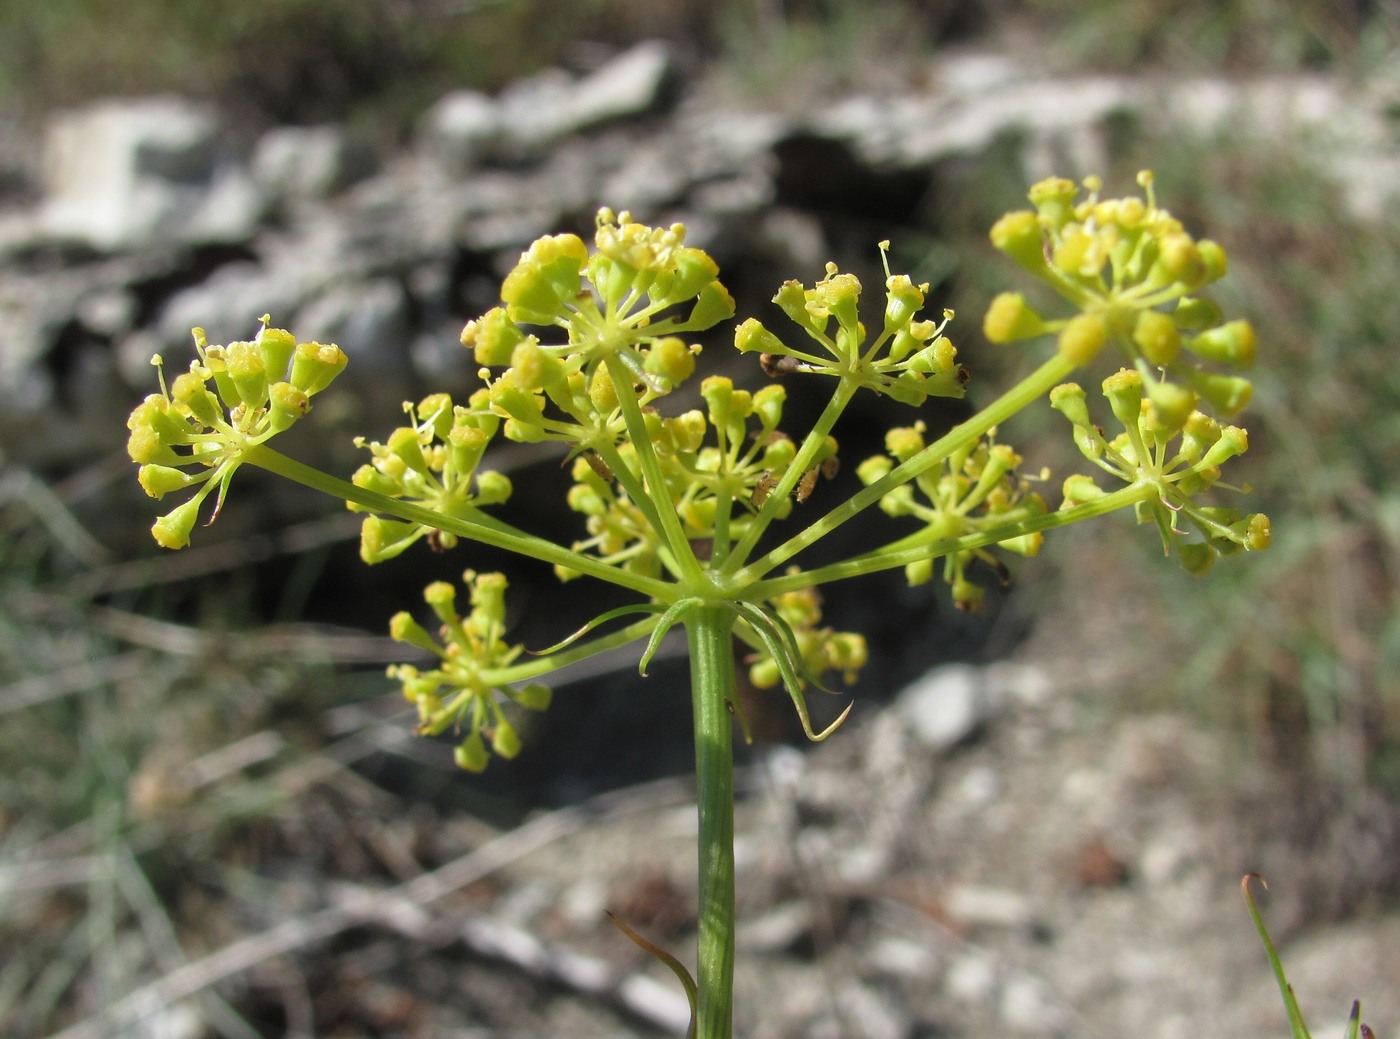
(949, 705)
(121, 174)
(1028, 1006)
(978, 904)
(551, 105)
(972, 978)
(461, 130)
(307, 162)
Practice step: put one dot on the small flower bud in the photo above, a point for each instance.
(671, 359)
(768, 405)
(694, 270)
(1019, 235)
(382, 539)
(471, 754)
(752, 337)
(492, 488)
(1081, 252)
(713, 305)
(1233, 441)
(1070, 401)
(533, 697)
(403, 628)
(1257, 532)
(277, 346)
(1179, 262)
(442, 597)
(846, 652)
(1194, 314)
(286, 404)
(173, 529)
(160, 480)
(245, 366)
(1232, 343)
(1124, 392)
(904, 442)
(839, 294)
(873, 468)
(601, 390)
(488, 595)
(1172, 405)
(492, 337)
(764, 673)
(792, 299)
(145, 447)
(1156, 335)
(1079, 489)
(540, 287)
(404, 444)
(1010, 318)
(533, 366)
(315, 366)
(189, 389)
(1053, 198)
(1213, 259)
(902, 301)
(918, 572)
(1227, 394)
(1082, 338)
(1196, 557)
(968, 597)
(504, 740)
(511, 399)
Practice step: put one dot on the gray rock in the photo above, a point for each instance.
(950, 705)
(293, 163)
(540, 110)
(368, 320)
(228, 304)
(462, 130)
(120, 175)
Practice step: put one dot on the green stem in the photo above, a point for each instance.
(709, 630)
(537, 666)
(1032, 387)
(916, 546)
(845, 390)
(484, 529)
(659, 494)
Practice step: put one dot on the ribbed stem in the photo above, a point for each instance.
(710, 631)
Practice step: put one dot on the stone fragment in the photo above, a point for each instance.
(123, 174)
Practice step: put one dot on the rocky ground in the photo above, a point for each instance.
(1001, 849)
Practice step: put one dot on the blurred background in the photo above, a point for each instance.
(205, 775)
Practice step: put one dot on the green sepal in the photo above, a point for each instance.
(471, 754)
(533, 697)
(173, 529)
(160, 480)
(382, 539)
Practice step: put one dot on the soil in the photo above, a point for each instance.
(1071, 868)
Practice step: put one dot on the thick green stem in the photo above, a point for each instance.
(709, 629)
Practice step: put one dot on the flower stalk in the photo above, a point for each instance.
(586, 347)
